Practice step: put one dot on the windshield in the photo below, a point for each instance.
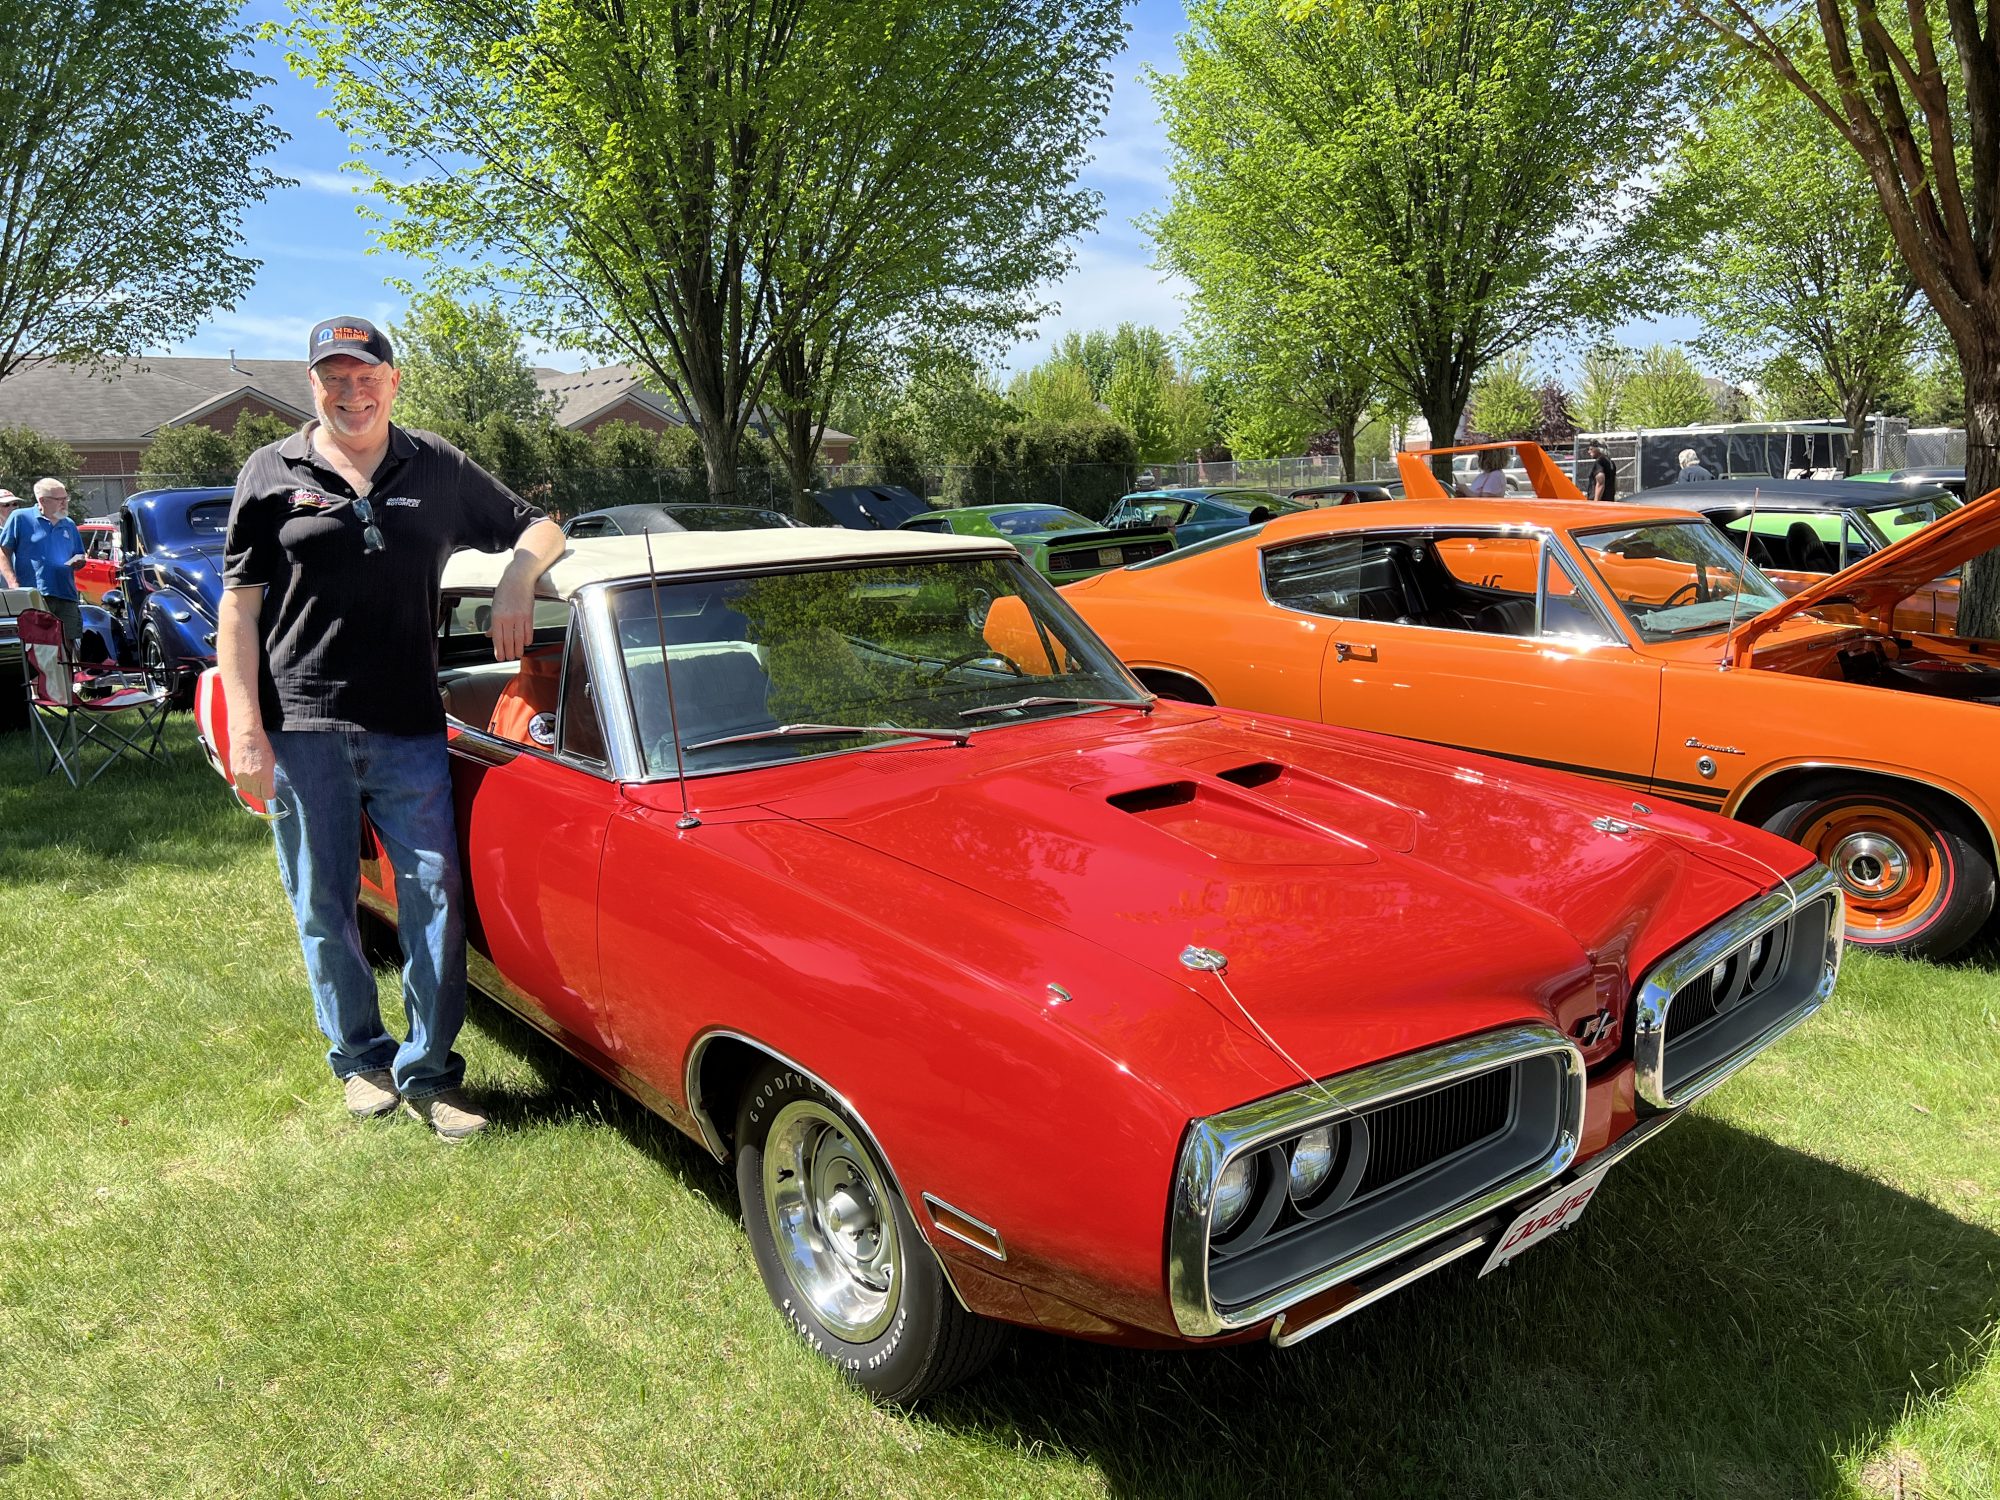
(1677, 578)
(1903, 517)
(1042, 518)
(902, 645)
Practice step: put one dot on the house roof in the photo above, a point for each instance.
(582, 395)
(135, 398)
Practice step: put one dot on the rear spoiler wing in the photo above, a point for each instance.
(1419, 483)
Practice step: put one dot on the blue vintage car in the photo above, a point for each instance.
(1197, 514)
(164, 607)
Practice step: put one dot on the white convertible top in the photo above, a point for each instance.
(601, 559)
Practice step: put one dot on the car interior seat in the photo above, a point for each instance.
(1808, 553)
(1424, 600)
(1506, 617)
(525, 710)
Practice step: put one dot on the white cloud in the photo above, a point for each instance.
(1109, 286)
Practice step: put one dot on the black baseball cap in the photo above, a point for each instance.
(357, 338)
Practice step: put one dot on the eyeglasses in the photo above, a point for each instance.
(371, 534)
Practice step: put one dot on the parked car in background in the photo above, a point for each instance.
(632, 520)
(168, 590)
(1059, 543)
(1797, 531)
(1341, 492)
(99, 573)
(871, 507)
(1629, 643)
(1195, 515)
(1016, 996)
(1931, 476)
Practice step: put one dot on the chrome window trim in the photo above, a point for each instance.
(1212, 1143)
(1654, 995)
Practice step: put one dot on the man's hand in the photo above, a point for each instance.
(79, 560)
(513, 616)
(251, 763)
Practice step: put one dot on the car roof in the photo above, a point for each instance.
(1564, 515)
(1779, 494)
(607, 559)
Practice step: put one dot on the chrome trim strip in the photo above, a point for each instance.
(1214, 1142)
(713, 1137)
(1655, 993)
(934, 1203)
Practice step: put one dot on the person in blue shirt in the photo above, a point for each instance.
(40, 548)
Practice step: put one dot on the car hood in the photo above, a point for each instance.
(1877, 584)
(1369, 898)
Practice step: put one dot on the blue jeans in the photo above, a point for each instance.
(326, 779)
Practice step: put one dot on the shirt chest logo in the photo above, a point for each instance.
(309, 500)
(411, 501)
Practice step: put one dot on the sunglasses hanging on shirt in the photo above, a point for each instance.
(371, 534)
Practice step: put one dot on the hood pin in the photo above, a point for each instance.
(1203, 960)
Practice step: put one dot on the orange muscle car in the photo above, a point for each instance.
(1629, 643)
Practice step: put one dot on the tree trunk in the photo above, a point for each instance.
(1443, 419)
(798, 428)
(1979, 605)
(1856, 413)
(1346, 430)
(718, 457)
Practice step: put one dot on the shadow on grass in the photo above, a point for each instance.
(566, 1090)
(1731, 1318)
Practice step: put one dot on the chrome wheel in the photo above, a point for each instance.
(1871, 866)
(831, 1218)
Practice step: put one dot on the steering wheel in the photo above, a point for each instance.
(988, 654)
(1692, 591)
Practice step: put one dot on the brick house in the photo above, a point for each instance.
(587, 399)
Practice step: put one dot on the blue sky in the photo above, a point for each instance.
(317, 260)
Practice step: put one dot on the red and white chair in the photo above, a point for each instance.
(76, 707)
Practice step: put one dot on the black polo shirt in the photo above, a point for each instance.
(350, 636)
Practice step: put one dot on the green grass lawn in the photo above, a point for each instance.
(213, 1283)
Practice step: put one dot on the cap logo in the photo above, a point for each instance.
(325, 336)
(345, 331)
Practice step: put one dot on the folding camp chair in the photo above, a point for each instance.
(74, 707)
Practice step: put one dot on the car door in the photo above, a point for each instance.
(1481, 640)
(531, 829)
(99, 573)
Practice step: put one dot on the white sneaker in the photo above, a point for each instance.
(370, 1093)
(446, 1113)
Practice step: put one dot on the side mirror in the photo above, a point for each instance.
(114, 600)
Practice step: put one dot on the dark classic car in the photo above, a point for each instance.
(1061, 544)
(1184, 1027)
(1195, 515)
(633, 520)
(162, 607)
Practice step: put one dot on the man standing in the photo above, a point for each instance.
(40, 548)
(1603, 475)
(328, 654)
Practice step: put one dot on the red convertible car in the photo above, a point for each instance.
(1017, 996)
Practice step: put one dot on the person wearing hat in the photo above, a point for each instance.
(1603, 474)
(327, 647)
(40, 548)
(1692, 471)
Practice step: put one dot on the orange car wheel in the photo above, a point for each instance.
(1917, 878)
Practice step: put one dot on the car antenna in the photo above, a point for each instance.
(1736, 600)
(687, 818)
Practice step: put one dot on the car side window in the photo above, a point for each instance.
(590, 526)
(579, 728)
(938, 523)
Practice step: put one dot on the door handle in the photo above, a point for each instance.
(1353, 651)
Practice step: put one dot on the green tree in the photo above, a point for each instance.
(1914, 91)
(254, 429)
(654, 177)
(1800, 259)
(128, 138)
(1507, 399)
(1602, 375)
(462, 363)
(961, 123)
(1937, 391)
(1460, 176)
(1137, 397)
(27, 455)
(949, 405)
(1191, 423)
(188, 455)
(1056, 390)
(1665, 390)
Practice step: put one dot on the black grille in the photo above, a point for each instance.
(1735, 981)
(1693, 1004)
(1411, 1134)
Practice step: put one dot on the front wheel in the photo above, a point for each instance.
(1915, 872)
(838, 1251)
(159, 672)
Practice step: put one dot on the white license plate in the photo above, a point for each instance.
(1108, 557)
(1545, 1218)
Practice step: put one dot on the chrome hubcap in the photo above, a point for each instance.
(1871, 865)
(828, 1208)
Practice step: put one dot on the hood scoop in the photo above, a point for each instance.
(1237, 828)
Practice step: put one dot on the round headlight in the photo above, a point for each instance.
(1233, 1193)
(1312, 1160)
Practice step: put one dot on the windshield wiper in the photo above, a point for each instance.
(802, 731)
(1044, 700)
